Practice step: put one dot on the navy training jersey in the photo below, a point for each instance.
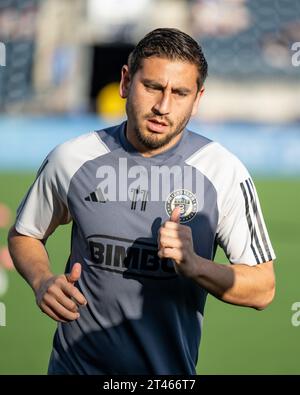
(141, 317)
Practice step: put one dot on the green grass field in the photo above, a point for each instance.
(235, 340)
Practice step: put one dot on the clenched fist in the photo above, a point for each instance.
(59, 298)
(175, 241)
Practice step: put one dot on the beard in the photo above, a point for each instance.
(152, 140)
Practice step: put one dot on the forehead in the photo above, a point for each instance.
(167, 71)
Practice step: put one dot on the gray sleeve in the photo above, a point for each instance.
(44, 207)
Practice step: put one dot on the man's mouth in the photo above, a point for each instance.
(155, 125)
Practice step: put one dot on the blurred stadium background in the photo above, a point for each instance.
(60, 64)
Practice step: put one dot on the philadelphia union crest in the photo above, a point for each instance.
(187, 202)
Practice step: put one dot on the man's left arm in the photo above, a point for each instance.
(239, 284)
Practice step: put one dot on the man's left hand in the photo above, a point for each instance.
(175, 241)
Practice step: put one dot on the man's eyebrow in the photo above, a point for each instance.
(157, 85)
(152, 83)
(184, 91)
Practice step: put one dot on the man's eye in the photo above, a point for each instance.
(181, 94)
(151, 88)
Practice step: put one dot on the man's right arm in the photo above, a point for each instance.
(56, 295)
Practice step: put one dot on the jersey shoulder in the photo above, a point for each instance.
(111, 136)
(81, 148)
(89, 145)
(214, 160)
(223, 169)
(67, 158)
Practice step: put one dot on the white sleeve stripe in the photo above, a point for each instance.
(252, 229)
(259, 220)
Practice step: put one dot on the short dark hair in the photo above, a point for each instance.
(171, 44)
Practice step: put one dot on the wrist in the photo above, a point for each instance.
(191, 267)
(38, 281)
(198, 267)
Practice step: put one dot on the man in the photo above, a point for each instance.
(150, 201)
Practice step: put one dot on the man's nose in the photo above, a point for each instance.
(163, 104)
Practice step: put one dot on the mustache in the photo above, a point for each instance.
(159, 118)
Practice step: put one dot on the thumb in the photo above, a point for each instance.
(175, 216)
(75, 273)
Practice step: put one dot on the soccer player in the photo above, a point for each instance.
(149, 202)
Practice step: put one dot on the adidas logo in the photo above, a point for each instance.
(96, 196)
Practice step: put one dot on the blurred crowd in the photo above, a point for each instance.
(52, 47)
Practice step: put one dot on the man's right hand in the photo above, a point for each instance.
(59, 298)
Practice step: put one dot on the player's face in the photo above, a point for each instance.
(161, 97)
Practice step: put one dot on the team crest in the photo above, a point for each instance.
(187, 202)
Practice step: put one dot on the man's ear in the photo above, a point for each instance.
(197, 100)
(125, 82)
